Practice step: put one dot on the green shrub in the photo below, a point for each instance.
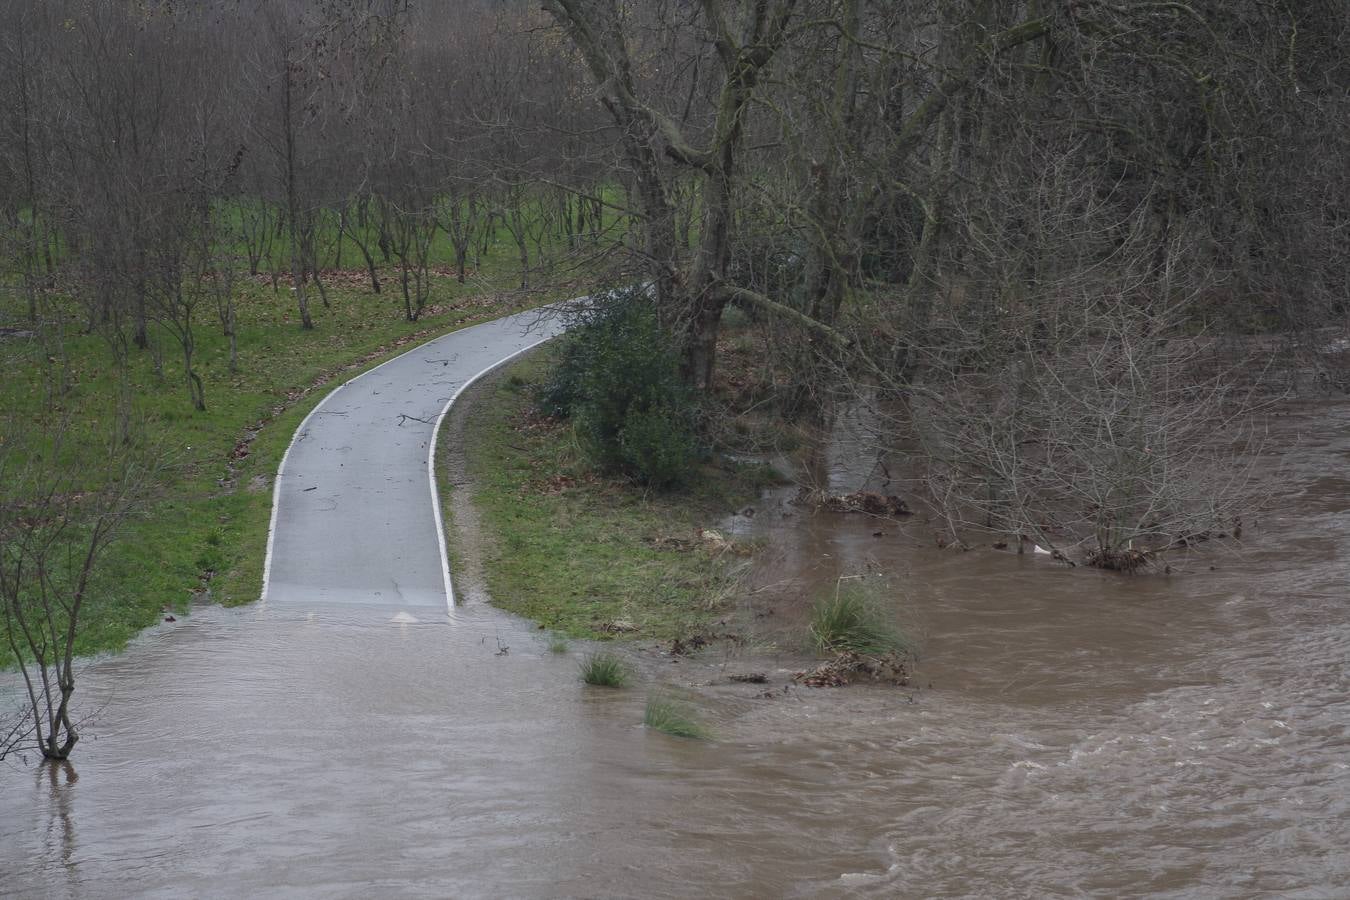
(671, 717)
(561, 392)
(597, 434)
(856, 619)
(604, 669)
(657, 444)
(614, 328)
(618, 380)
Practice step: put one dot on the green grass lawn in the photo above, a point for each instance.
(591, 556)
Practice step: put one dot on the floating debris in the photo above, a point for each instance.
(871, 504)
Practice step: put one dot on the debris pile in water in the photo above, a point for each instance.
(1126, 560)
(701, 640)
(849, 667)
(872, 504)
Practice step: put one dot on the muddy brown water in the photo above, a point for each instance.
(1070, 734)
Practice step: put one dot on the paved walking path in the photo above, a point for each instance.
(354, 515)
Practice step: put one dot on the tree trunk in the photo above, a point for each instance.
(293, 204)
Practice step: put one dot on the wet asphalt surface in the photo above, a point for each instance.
(354, 519)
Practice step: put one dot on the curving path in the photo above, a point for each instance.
(355, 516)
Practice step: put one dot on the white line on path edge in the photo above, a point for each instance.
(431, 467)
(431, 454)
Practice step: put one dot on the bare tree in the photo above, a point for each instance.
(743, 40)
(1108, 442)
(282, 71)
(24, 149)
(55, 526)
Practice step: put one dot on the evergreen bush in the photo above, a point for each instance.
(618, 380)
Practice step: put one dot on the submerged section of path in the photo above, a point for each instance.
(354, 515)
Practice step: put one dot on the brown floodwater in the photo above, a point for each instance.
(1070, 733)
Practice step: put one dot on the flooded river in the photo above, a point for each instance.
(1070, 733)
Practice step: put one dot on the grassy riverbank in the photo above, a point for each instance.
(583, 554)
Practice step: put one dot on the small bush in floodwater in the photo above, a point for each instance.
(674, 718)
(604, 669)
(557, 643)
(854, 619)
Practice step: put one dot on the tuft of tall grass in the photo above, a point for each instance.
(604, 669)
(672, 717)
(557, 643)
(856, 619)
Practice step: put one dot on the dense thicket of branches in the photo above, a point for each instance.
(973, 209)
(1017, 229)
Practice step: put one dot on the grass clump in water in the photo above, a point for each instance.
(604, 669)
(672, 717)
(856, 619)
(557, 643)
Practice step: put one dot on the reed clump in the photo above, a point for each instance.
(673, 717)
(604, 669)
